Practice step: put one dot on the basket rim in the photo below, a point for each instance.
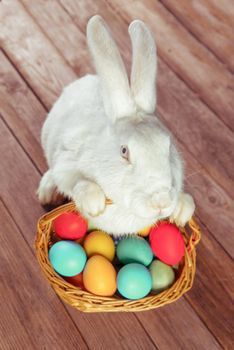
(85, 301)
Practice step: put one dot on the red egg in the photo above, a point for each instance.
(70, 226)
(167, 243)
(76, 280)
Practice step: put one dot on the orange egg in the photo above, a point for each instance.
(144, 232)
(99, 276)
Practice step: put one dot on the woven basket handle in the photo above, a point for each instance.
(195, 236)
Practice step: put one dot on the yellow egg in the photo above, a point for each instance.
(145, 231)
(99, 276)
(98, 242)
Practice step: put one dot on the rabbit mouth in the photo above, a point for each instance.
(142, 207)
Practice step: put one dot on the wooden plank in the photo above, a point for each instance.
(213, 205)
(50, 15)
(205, 136)
(49, 73)
(31, 315)
(21, 111)
(12, 332)
(171, 327)
(196, 65)
(188, 332)
(213, 292)
(114, 331)
(210, 25)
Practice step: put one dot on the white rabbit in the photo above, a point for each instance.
(103, 140)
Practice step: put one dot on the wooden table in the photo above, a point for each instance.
(43, 48)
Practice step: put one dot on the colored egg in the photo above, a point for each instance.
(76, 280)
(134, 249)
(167, 243)
(145, 231)
(162, 275)
(99, 243)
(134, 281)
(91, 226)
(99, 276)
(67, 258)
(70, 226)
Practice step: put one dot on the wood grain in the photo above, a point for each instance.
(60, 28)
(185, 55)
(213, 205)
(32, 58)
(21, 111)
(31, 315)
(213, 292)
(189, 333)
(210, 25)
(197, 128)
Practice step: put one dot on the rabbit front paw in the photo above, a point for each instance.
(184, 209)
(90, 199)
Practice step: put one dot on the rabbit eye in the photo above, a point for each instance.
(124, 152)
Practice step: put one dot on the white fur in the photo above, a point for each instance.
(86, 127)
(144, 66)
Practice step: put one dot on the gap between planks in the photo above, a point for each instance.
(170, 8)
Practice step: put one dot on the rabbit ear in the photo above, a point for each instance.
(144, 66)
(117, 97)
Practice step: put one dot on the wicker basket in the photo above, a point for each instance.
(87, 302)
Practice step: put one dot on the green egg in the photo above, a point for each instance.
(134, 250)
(91, 226)
(162, 275)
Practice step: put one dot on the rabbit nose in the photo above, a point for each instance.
(161, 200)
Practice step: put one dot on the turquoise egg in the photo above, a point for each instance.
(134, 249)
(134, 281)
(67, 258)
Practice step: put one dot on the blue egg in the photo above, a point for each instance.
(67, 258)
(134, 281)
(134, 250)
